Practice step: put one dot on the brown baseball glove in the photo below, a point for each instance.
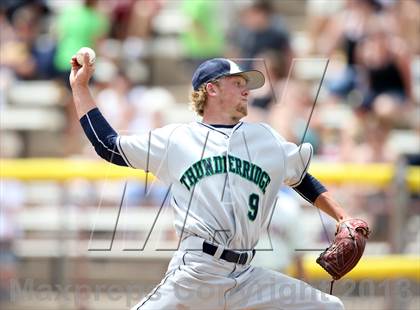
(346, 249)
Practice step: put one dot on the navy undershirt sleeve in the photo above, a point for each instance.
(102, 136)
(310, 188)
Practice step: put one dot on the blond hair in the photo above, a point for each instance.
(199, 98)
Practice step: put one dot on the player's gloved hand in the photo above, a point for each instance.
(81, 74)
(346, 249)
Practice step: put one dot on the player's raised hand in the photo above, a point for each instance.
(81, 74)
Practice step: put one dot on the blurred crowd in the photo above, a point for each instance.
(371, 44)
(147, 50)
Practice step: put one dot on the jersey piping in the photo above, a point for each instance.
(97, 138)
(122, 153)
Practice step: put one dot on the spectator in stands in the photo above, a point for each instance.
(377, 69)
(121, 12)
(23, 50)
(133, 18)
(204, 37)
(342, 33)
(386, 92)
(259, 29)
(77, 26)
(385, 64)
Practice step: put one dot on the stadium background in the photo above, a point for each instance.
(73, 229)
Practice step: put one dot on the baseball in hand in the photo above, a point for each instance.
(82, 51)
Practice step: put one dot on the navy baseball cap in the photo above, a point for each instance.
(213, 69)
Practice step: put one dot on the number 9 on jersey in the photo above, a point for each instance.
(253, 202)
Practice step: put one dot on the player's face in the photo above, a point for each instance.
(234, 96)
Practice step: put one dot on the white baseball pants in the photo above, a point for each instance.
(196, 280)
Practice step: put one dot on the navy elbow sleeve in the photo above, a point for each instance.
(310, 188)
(102, 136)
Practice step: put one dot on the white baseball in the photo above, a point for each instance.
(84, 50)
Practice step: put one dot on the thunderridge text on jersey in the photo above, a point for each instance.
(217, 164)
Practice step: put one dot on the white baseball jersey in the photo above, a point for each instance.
(226, 179)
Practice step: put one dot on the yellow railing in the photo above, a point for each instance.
(372, 267)
(369, 267)
(64, 169)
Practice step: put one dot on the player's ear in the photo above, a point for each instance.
(211, 89)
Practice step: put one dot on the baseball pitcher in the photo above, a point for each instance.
(224, 176)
